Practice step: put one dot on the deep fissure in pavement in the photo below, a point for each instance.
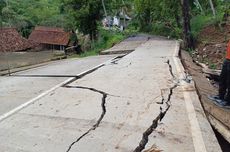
(114, 61)
(161, 115)
(170, 69)
(162, 98)
(103, 102)
(118, 58)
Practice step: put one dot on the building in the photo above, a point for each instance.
(50, 37)
(12, 41)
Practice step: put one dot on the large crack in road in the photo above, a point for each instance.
(170, 69)
(155, 122)
(103, 102)
(113, 61)
(160, 116)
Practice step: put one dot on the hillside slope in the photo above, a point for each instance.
(211, 46)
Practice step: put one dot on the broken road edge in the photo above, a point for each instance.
(64, 83)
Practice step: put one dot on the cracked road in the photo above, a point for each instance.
(26, 85)
(140, 102)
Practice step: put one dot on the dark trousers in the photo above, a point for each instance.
(224, 86)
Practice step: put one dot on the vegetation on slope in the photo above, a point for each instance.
(159, 17)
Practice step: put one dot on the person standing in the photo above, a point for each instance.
(224, 85)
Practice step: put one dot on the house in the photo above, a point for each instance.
(124, 20)
(120, 21)
(50, 37)
(12, 41)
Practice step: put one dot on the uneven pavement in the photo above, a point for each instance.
(29, 84)
(128, 45)
(143, 101)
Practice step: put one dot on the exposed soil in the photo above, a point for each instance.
(205, 88)
(211, 50)
(211, 45)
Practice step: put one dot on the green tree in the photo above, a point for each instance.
(25, 14)
(159, 13)
(114, 6)
(2, 5)
(144, 10)
(9, 15)
(86, 14)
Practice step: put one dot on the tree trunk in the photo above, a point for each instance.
(93, 30)
(212, 7)
(103, 4)
(187, 36)
(177, 18)
(198, 3)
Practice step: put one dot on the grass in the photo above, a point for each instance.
(213, 66)
(200, 21)
(159, 28)
(106, 40)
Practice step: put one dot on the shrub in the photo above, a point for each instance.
(159, 28)
(105, 40)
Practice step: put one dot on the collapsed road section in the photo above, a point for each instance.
(80, 117)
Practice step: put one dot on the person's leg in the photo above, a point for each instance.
(228, 83)
(223, 81)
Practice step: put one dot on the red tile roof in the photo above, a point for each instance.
(50, 35)
(11, 40)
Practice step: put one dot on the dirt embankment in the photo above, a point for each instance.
(205, 88)
(211, 46)
(211, 50)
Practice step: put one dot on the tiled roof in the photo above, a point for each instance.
(50, 35)
(11, 40)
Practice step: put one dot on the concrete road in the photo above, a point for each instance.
(24, 86)
(144, 101)
(131, 43)
(66, 68)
